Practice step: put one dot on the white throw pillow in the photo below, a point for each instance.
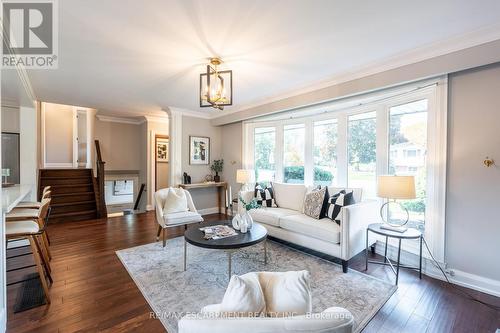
(175, 201)
(289, 196)
(243, 297)
(287, 293)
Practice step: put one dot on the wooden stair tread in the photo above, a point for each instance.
(71, 185)
(73, 203)
(70, 194)
(66, 177)
(84, 212)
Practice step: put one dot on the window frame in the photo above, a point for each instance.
(434, 90)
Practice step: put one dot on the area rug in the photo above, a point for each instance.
(171, 292)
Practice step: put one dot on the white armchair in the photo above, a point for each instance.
(211, 319)
(169, 220)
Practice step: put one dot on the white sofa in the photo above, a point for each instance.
(211, 319)
(289, 223)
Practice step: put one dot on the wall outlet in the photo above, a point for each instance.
(450, 272)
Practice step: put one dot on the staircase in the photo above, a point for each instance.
(74, 194)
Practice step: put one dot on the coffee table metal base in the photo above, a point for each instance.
(229, 257)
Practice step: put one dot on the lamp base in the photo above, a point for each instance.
(388, 220)
(391, 228)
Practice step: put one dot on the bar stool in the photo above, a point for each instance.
(35, 204)
(30, 230)
(40, 217)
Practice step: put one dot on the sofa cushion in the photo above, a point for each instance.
(243, 297)
(336, 202)
(322, 229)
(265, 195)
(270, 215)
(314, 202)
(286, 293)
(290, 196)
(356, 192)
(175, 201)
(182, 218)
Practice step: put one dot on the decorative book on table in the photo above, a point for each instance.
(218, 232)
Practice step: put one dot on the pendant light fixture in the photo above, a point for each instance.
(216, 86)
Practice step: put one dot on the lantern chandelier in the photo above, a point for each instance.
(216, 87)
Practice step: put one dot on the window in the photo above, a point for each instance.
(349, 143)
(362, 152)
(408, 132)
(264, 150)
(325, 152)
(293, 153)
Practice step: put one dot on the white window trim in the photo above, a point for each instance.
(435, 90)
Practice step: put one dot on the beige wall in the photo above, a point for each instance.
(120, 144)
(10, 119)
(487, 53)
(473, 191)
(232, 154)
(203, 198)
(58, 133)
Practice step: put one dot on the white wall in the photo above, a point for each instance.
(28, 148)
(10, 119)
(58, 134)
(473, 191)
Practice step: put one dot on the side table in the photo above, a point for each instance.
(411, 233)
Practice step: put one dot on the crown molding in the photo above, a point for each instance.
(9, 103)
(121, 120)
(157, 119)
(429, 51)
(191, 113)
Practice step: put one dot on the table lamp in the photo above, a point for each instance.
(394, 188)
(245, 176)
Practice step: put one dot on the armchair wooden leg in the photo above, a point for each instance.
(164, 239)
(345, 265)
(158, 233)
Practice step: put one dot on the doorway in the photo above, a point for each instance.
(161, 161)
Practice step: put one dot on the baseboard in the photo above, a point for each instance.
(204, 211)
(476, 282)
(464, 279)
(3, 319)
(58, 165)
(207, 211)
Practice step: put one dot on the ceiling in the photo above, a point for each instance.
(139, 57)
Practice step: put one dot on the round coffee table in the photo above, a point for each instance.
(255, 235)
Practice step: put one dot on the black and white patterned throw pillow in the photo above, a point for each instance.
(265, 196)
(336, 202)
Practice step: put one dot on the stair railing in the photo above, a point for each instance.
(100, 201)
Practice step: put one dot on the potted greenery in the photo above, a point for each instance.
(217, 167)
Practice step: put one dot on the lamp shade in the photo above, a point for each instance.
(396, 187)
(245, 176)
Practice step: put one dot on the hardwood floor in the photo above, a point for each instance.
(93, 292)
